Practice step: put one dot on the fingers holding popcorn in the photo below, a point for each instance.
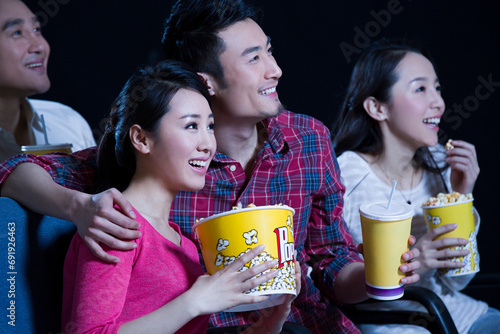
(462, 158)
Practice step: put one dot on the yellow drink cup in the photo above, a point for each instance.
(460, 213)
(48, 148)
(385, 239)
(226, 236)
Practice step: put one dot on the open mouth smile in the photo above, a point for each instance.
(432, 121)
(33, 65)
(197, 163)
(268, 91)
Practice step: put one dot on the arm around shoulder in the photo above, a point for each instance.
(94, 215)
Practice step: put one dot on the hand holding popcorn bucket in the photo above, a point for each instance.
(457, 209)
(226, 236)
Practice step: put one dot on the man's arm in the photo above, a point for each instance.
(96, 219)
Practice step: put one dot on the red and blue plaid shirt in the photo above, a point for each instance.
(296, 167)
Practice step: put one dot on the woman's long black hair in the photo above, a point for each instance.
(144, 100)
(374, 75)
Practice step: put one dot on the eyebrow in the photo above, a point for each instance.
(255, 48)
(17, 22)
(195, 116)
(11, 23)
(423, 79)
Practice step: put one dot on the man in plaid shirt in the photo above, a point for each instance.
(265, 156)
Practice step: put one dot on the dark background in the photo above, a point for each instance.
(96, 45)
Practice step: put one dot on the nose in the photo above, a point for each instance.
(207, 141)
(38, 44)
(438, 102)
(273, 71)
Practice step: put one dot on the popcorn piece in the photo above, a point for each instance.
(442, 199)
(449, 145)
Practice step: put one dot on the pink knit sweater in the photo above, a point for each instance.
(98, 297)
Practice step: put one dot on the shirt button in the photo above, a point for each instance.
(232, 168)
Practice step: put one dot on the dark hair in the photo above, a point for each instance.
(191, 32)
(144, 100)
(374, 74)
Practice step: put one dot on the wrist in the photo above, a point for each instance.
(194, 301)
(76, 200)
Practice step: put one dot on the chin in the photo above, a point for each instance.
(279, 109)
(40, 88)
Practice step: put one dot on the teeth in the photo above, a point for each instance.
(198, 163)
(432, 120)
(34, 65)
(268, 91)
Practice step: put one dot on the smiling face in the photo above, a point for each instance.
(416, 107)
(184, 143)
(24, 52)
(251, 74)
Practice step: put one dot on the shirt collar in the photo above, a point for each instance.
(275, 137)
(34, 120)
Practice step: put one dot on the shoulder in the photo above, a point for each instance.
(302, 133)
(55, 109)
(352, 160)
(301, 123)
(353, 169)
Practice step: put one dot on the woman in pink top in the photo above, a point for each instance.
(159, 140)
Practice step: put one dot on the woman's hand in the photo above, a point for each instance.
(464, 166)
(225, 288)
(272, 318)
(435, 253)
(409, 268)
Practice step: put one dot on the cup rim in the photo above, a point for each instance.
(254, 208)
(25, 148)
(445, 205)
(386, 217)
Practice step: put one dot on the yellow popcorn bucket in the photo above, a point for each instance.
(226, 236)
(48, 148)
(385, 239)
(462, 214)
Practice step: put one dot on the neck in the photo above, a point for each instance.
(396, 164)
(239, 141)
(148, 196)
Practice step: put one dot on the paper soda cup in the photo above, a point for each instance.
(385, 239)
(226, 236)
(460, 213)
(48, 148)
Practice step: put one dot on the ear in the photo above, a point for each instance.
(375, 109)
(139, 139)
(209, 81)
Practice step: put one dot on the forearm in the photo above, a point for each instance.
(167, 319)
(33, 187)
(350, 284)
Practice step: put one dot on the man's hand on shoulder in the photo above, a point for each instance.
(99, 222)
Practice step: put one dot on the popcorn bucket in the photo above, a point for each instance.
(48, 148)
(226, 236)
(459, 213)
